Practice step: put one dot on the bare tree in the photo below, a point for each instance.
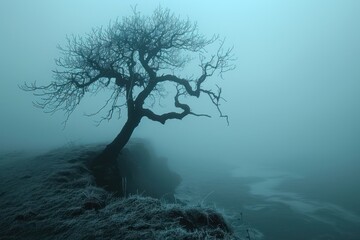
(133, 58)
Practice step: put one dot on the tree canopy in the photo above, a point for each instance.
(133, 58)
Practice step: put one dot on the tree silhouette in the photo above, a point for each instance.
(135, 59)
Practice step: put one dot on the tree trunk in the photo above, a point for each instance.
(105, 167)
(112, 151)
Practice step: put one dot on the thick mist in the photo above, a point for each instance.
(293, 101)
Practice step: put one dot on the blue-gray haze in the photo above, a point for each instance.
(293, 100)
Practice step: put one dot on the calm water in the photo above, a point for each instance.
(280, 204)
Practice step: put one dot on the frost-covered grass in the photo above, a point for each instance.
(53, 196)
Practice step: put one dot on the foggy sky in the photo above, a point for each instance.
(294, 96)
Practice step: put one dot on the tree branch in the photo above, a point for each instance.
(171, 115)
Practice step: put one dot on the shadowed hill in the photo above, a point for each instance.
(54, 196)
(137, 170)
